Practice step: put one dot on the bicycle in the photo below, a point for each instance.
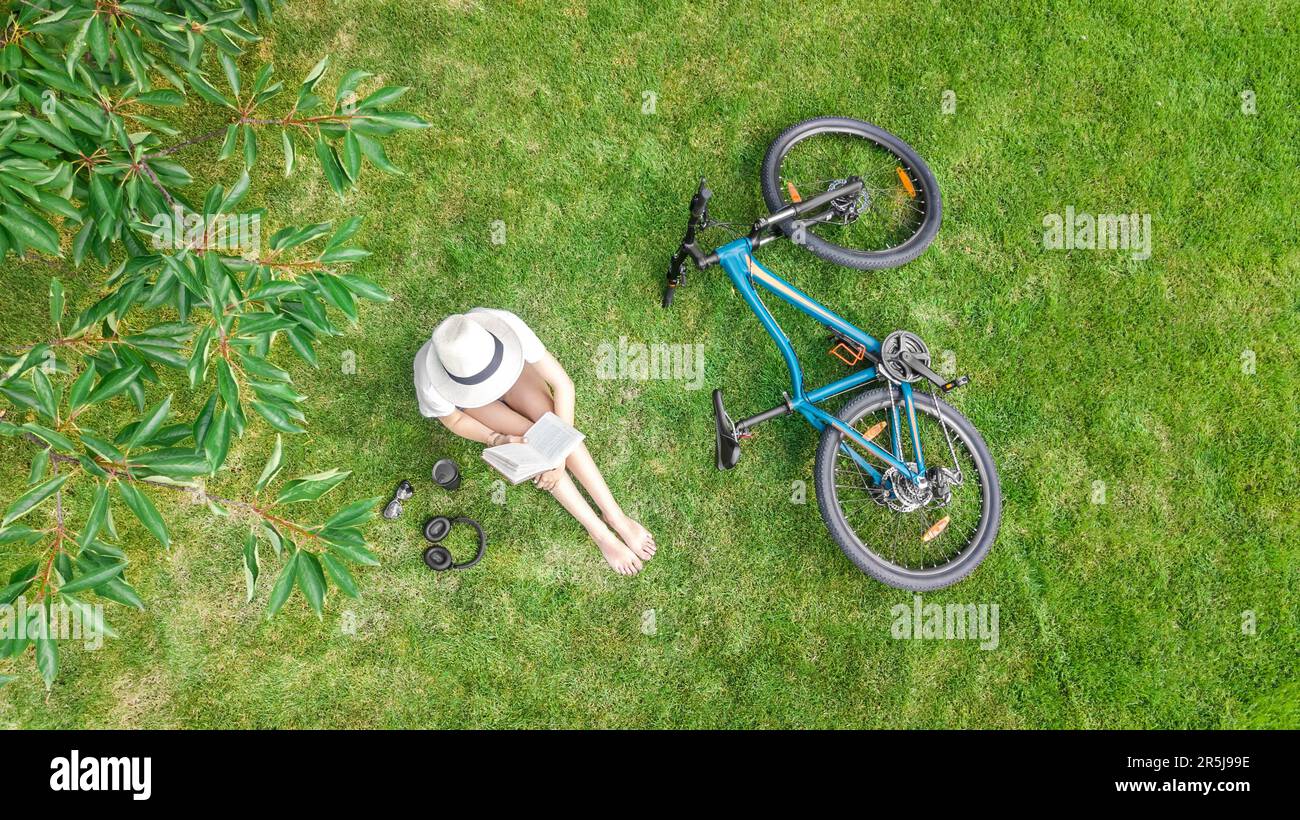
(921, 523)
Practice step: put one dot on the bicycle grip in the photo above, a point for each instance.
(701, 199)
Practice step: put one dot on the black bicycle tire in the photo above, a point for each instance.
(825, 249)
(861, 555)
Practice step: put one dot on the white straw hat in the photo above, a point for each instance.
(474, 358)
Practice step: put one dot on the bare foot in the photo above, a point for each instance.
(622, 559)
(637, 537)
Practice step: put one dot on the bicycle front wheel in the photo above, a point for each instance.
(908, 538)
(890, 222)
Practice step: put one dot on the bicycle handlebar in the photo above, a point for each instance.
(689, 248)
(798, 209)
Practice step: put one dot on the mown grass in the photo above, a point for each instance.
(1088, 366)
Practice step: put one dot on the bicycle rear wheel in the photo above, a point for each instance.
(890, 223)
(905, 538)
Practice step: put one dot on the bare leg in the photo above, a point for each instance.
(530, 398)
(622, 559)
(503, 419)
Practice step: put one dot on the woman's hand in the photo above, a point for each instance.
(548, 480)
(497, 439)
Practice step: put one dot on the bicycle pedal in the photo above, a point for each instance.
(726, 444)
(960, 381)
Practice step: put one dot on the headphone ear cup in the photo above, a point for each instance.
(437, 558)
(436, 528)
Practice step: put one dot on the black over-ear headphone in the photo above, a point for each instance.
(438, 557)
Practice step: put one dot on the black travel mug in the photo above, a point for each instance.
(446, 474)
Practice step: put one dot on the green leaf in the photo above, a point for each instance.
(351, 155)
(252, 562)
(45, 394)
(81, 388)
(312, 581)
(283, 585)
(206, 91)
(93, 579)
(354, 553)
(51, 134)
(398, 119)
(217, 441)
(232, 73)
(145, 430)
(47, 648)
(229, 144)
(349, 83)
(330, 165)
(383, 96)
(56, 440)
(114, 383)
(92, 619)
(78, 46)
(145, 511)
(10, 593)
(235, 194)
(358, 512)
(40, 466)
(365, 288)
(226, 384)
(277, 417)
(287, 143)
(32, 232)
(98, 37)
(342, 577)
(121, 592)
(163, 96)
(272, 465)
(314, 75)
(344, 255)
(56, 302)
(98, 513)
(26, 502)
(250, 147)
(311, 487)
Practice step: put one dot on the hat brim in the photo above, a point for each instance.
(491, 388)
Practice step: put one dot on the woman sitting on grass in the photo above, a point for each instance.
(486, 376)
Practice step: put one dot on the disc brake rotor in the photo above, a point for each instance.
(848, 208)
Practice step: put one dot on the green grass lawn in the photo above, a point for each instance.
(1087, 367)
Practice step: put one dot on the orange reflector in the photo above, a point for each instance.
(873, 431)
(936, 529)
(794, 194)
(907, 183)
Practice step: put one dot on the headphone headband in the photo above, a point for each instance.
(438, 557)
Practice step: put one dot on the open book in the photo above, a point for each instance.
(549, 443)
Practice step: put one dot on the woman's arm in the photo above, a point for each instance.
(471, 428)
(562, 392)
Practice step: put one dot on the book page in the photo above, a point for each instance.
(553, 439)
(550, 441)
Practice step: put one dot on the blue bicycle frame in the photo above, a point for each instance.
(745, 272)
